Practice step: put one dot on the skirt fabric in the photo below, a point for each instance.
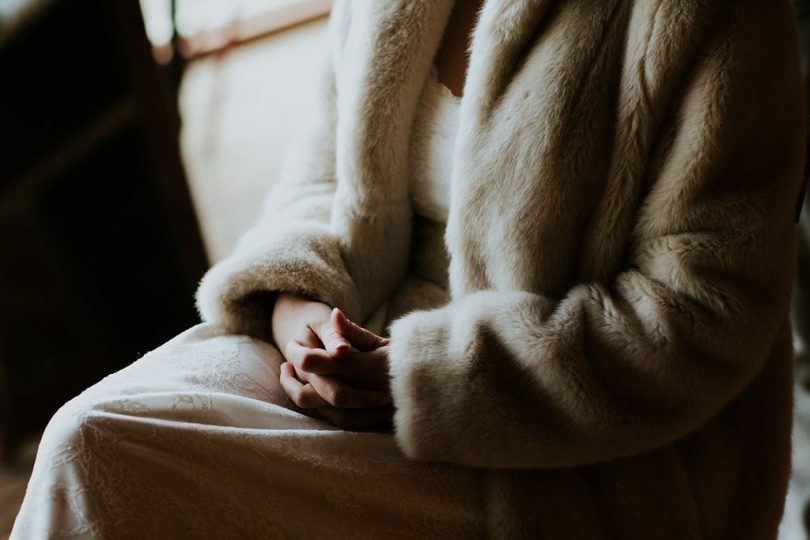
(198, 440)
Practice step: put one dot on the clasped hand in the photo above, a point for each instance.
(335, 369)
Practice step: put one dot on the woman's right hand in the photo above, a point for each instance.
(313, 345)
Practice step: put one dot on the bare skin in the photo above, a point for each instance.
(334, 369)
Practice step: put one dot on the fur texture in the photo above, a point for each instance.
(616, 349)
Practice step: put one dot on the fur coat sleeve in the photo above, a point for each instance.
(337, 227)
(610, 368)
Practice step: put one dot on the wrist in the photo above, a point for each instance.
(291, 313)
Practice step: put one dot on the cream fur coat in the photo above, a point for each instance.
(617, 350)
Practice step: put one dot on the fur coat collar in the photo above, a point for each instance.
(616, 350)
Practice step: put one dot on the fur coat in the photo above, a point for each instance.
(616, 350)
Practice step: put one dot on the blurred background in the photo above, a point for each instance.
(137, 141)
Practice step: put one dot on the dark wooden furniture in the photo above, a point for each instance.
(99, 247)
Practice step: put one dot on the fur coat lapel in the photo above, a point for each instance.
(384, 64)
(506, 162)
(556, 152)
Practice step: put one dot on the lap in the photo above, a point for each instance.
(200, 433)
(203, 360)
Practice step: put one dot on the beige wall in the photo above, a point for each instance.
(240, 111)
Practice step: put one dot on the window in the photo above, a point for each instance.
(205, 26)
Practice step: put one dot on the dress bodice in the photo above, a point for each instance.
(431, 161)
(432, 146)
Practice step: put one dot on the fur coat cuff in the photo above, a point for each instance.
(421, 434)
(237, 294)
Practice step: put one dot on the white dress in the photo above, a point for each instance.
(197, 439)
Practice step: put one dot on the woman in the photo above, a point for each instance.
(611, 356)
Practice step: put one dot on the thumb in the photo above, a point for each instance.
(362, 339)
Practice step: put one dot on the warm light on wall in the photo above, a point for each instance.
(205, 26)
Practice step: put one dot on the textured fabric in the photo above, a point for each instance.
(435, 127)
(621, 245)
(431, 159)
(197, 440)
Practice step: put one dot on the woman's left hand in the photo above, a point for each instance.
(351, 390)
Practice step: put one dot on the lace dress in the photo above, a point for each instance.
(197, 439)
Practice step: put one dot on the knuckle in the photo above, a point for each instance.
(313, 361)
(307, 361)
(292, 353)
(325, 329)
(303, 401)
(295, 395)
(337, 395)
(339, 399)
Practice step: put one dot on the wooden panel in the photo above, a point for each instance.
(100, 247)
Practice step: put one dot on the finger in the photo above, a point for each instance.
(333, 341)
(309, 359)
(302, 394)
(360, 337)
(365, 370)
(339, 394)
(358, 369)
(361, 419)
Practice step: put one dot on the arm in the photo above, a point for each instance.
(515, 379)
(349, 388)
